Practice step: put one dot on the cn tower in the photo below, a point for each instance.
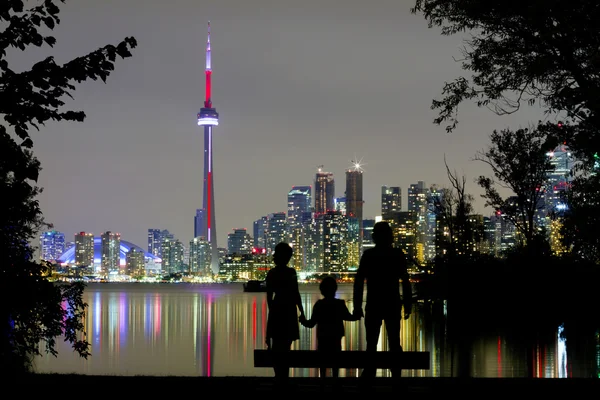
(207, 118)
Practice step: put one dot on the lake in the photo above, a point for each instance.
(212, 329)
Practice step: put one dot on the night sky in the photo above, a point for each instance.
(296, 83)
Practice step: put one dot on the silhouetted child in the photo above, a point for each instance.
(328, 315)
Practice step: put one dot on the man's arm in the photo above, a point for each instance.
(359, 282)
(269, 284)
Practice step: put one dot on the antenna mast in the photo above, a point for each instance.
(208, 72)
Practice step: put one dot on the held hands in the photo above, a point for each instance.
(358, 313)
(302, 320)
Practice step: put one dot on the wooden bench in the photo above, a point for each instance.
(344, 359)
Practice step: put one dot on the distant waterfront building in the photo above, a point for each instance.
(111, 246)
(93, 247)
(339, 204)
(259, 232)
(237, 267)
(277, 230)
(52, 245)
(368, 225)
(391, 201)
(239, 242)
(200, 257)
(200, 223)
(335, 242)
(354, 195)
(222, 252)
(173, 254)
(84, 249)
(155, 240)
(135, 264)
(417, 207)
(324, 191)
(299, 203)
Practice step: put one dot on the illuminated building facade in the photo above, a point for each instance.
(277, 230)
(111, 245)
(52, 245)
(135, 263)
(324, 191)
(391, 201)
(354, 195)
(84, 250)
(239, 242)
(200, 257)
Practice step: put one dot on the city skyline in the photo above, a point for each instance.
(276, 67)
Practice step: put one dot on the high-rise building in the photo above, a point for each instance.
(339, 204)
(199, 223)
(391, 201)
(354, 195)
(111, 252)
(52, 245)
(259, 232)
(335, 242)
(277, 231)
(324, 191)
(208, 118)
(200, 257)
(299, 202)
(172, 256)
(135, 262)
(84, 249)
(559, 180)
(155, 240)
(239, 242)
(368, 225)
(417, 207)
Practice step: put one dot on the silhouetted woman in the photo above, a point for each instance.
(282, 299)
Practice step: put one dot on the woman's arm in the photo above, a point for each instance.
(310, 323)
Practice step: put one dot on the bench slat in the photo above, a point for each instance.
(345, 359)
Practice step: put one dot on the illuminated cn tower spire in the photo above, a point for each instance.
(207, 118)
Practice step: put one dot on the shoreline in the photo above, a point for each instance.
(235, 384)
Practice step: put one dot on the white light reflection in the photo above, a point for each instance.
(562, 353)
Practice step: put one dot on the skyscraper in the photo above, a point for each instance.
(111, 253)
(391, 201)
(207, 118)
(52, 245)
(354, 194)
(84, 249)
(299, 203)
(324, 191)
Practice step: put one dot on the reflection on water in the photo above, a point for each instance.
(212, 330)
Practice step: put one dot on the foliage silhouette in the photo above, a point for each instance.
(34, 311)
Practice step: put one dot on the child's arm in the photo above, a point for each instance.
(310, 323)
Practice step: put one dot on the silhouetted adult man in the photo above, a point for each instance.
(383, 267)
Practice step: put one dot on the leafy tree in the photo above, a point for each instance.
(581, 220)
(539, 51)
(543, 52)
(519, 163)
(34, 312)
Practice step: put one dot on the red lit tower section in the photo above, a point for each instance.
(209, 118)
